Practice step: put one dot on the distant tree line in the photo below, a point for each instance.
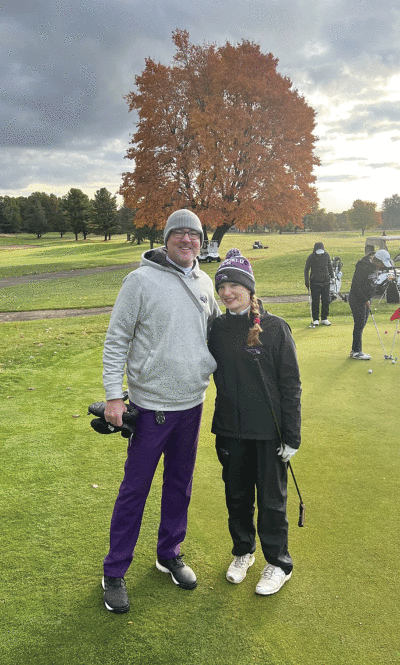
(362, 215)
(42, 213)
(75, 213)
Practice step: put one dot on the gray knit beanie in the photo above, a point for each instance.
(183, 219)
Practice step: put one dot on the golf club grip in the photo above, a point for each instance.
(302, 514)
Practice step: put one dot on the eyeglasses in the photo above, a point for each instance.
(180, 233)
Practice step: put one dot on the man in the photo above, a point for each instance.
(158, 332)
(361, 291)
(319, 263)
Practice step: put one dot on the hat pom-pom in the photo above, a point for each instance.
(233, 252)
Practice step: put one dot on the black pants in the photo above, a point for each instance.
(248, 465)
(319, 292)
(360, 312)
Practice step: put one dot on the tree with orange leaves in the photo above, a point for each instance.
(222, 133)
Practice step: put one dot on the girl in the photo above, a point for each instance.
(256, 422)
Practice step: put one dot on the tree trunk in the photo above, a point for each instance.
(220, 232)
(205, 232)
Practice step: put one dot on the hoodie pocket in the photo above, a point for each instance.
(145, 368)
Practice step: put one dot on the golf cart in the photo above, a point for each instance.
(209, 251)
(257, 244)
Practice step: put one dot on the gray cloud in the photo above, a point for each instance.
(385, 165)
(368, 119)
(66, 66)
(338, 178)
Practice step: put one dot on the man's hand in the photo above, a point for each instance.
(114, 410)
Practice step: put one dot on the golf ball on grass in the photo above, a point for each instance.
(370, 371)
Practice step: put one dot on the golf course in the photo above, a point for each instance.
(59, 480)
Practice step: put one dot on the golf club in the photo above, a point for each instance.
(302, 508)
(394, 339)
(309, 302)
(385, 355)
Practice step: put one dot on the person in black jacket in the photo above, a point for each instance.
(318, 272)
(361, 291)
(256, 422)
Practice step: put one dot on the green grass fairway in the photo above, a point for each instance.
(59, 480)
(278, 268)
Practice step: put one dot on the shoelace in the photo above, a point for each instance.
(116, 583)
(269, 571)
(240, 561)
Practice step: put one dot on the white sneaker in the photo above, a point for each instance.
(316, 323)
(326, 322)
(272, 579)
(360, 356)
(238, 569)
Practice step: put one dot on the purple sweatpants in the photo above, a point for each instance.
(177, 438)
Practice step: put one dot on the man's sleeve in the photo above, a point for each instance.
(120, 333)
(307, 270)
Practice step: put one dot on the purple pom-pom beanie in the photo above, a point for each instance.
(235, 268)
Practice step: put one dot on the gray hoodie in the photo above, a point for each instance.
(159, 337)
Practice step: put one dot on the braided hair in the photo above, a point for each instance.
(253, 338)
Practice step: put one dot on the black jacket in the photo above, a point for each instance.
(362, 286)
(242, 409)
(321, 269)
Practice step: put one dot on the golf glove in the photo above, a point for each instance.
(286, 452)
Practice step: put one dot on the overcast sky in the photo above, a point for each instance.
(67, 64)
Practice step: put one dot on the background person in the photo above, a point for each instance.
(158, 332)
(360, 295)
(318, 272)
(247, 439)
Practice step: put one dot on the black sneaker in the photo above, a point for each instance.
(181, 574)
(115, 595)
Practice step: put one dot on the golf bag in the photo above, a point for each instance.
(385, 283)
(392, 293)
(336, 281)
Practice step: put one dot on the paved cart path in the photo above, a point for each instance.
(28, 279)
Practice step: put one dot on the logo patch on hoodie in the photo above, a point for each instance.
(203, 298)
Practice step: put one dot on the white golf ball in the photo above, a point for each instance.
(370, 371)
(393, 362)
